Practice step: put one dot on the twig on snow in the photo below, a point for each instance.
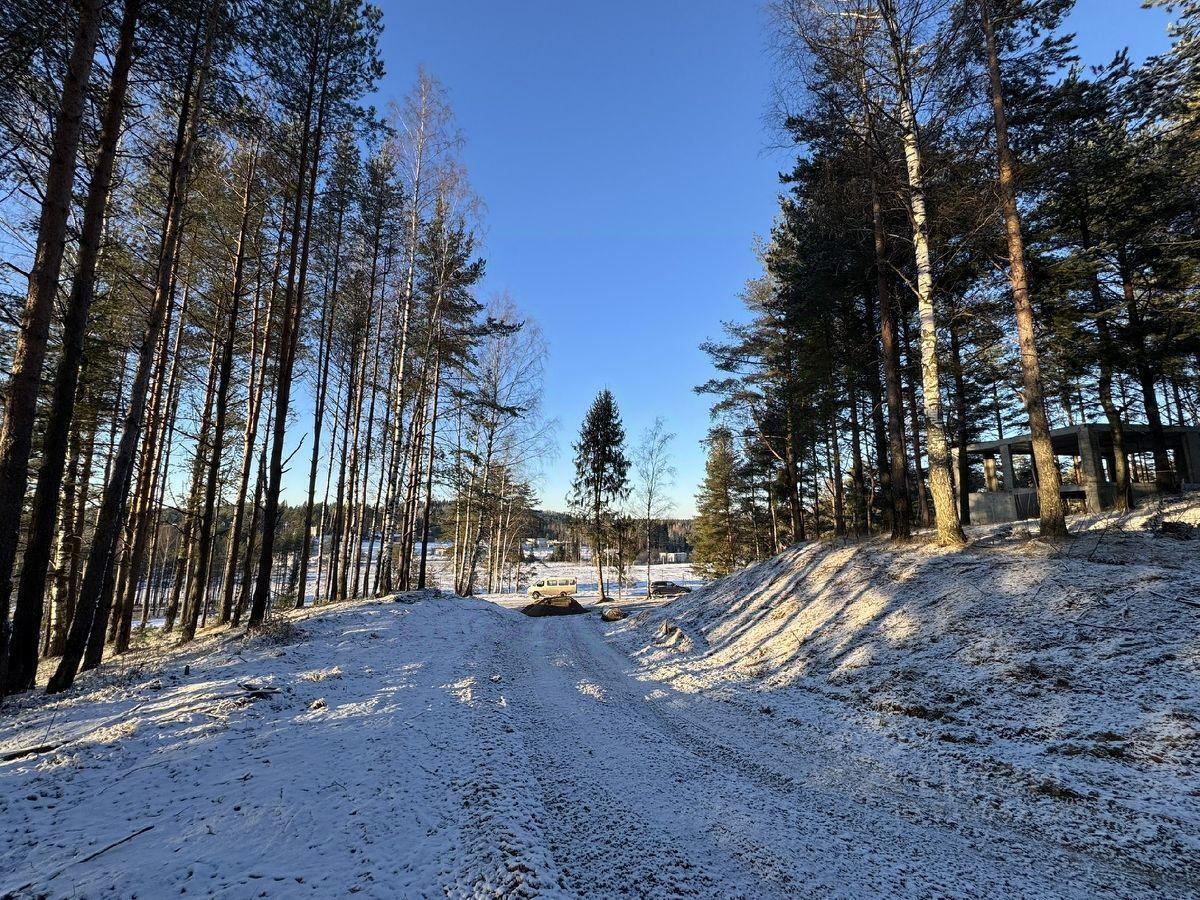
(88, 858)
(1182, 600)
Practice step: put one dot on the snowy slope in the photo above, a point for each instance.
(1060, 684)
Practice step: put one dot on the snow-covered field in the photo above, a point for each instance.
(1013, 720)
(585, 576)
(440, 575)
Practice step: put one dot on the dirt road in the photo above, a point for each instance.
(451, 747)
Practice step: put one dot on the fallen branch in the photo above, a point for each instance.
(28, 751)
(1109, 627)
(1185, 602)
(258, 693)
(10, 755)
(88, 858)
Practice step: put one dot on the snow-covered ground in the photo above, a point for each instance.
(1057, 687)
(836, 722)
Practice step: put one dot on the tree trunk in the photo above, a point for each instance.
(259, 351)
(960, 414)
(184, 570)
(598, 553)
(21, 395)
(1053, 516)
(23, 646)
(431, 368)
(324, 349)
(381, 277)
(437, 383)
(858, 491)
(879, 427)
(1146, 375)
(349, 583)
(949, 530)
(337, 564)
(322, 581)
(413, 481)
(155, 455)
(1123, 501)
(473, 535)
(912, 373)
(366, 532)
(289, 338)
(835, 475)
(243, 598)
(896, 483)
(397, 473)
(198, 593)
(101, 557)
(165, 444)
(67, 550)
(141, 512)
(65, 607)
(792, 479)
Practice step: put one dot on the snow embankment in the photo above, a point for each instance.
(1060, 681)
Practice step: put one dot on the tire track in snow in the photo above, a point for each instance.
(696, 795)
(600, 762)
(503, 852)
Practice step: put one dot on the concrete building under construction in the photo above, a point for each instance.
(1010, 477)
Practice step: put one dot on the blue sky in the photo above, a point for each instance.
(620, 148)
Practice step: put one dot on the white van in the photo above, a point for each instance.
(551, 587)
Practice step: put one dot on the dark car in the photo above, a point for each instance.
(667, 589)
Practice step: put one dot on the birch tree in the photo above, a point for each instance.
(655, 475)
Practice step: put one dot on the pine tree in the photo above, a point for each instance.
(1014, 18)
(21, 392)
(21, 661)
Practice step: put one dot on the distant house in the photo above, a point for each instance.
(538, 548)
(674, 557)
(436, 548)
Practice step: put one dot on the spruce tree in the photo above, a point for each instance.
(601, 470)
(717, 532)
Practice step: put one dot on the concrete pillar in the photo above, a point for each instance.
(989, 473)
(1010, 477)
(1089, 465)
(1190, 471)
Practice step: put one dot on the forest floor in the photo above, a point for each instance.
(847, 719)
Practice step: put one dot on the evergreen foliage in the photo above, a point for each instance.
(720, 530)
(601, 471)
